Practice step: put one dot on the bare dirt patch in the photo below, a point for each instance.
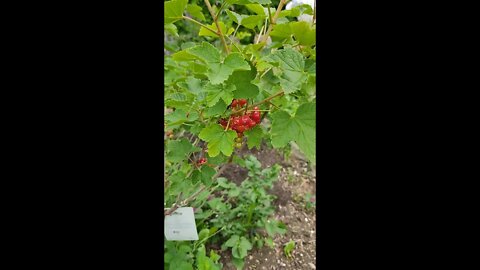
(296, 180)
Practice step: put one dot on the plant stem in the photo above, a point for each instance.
(219, 30)
(228, 123)
(274, 19)
(269, 14)
(233, 43)
(194, 195)
(220, 9)
(314, 11)
(201, 24)
(265, 72)
(235, 32)
(261, 102)
(273, 105)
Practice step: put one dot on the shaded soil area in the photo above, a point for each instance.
(296, 180)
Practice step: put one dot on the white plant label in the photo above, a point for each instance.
(180, 225)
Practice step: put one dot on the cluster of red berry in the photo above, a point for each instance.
(239, 122)
(202, 161)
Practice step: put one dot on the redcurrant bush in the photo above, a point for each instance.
(236, 73)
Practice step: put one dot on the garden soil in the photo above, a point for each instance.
(296, 180)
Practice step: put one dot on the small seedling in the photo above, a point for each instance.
(289, 247)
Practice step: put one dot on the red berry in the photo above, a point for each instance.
(252, 123)
(202, 161)
(256, 117)
(242, 102)
(234, 103)
(236, 121)
(245, 119)
(241, 128)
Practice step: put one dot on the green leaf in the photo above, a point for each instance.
(215, 92)
(292, 63)
(305, 9)
(282, 30)
(218, 160)
(187, 45)
(203, 234)
(178, 183)
(269, 83)
(218, 109)
(194, 85)
(205, 52)
(239, 161)
(294, 12)
(235, 61)
(204, 32)
(309, 87)
(179, 116)
(289, 248)
(251, 21)
(195, 11)
(254, 137)
(235, 16)
(304, 33)
(274, 227)
(171, 28)
(218, 140)
(183, 56)
(240, 250)
(242, 79)
(181, 265)
(269, 242)
(234, 192)
(197, 127)
(256, 8)
(245, 244)
(207, 174)
(179, 149)
(173, 10)
(232, 241)
(243, 34)
(218, 71)
(244, 2)
(204, 175)
(214, 256)
(239, 263)
(300, 129)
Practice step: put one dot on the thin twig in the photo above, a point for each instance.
(228, 124)
(273, 105)
(194, 195)
(269, 14)
(233, 43)
(274, 19)
(261, 102)
(219, 30)
(201, 24)
(314, 11)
